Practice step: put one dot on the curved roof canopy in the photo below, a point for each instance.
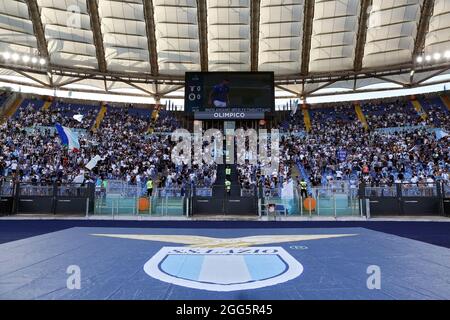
(145, 46)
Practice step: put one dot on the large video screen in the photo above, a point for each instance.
(229, 94)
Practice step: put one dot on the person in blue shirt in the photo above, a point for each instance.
(219, 95)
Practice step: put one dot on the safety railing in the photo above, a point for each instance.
(403, 189)
(170, 192)
(122, 206)
(385, 191)
(204, 192)
(6, 190)
(34, 190)
(271, 192)
(419, 191)
(331, 204)
(55, 198)
(73, 190)
(248, 192)
(328, 202)
(446, 189)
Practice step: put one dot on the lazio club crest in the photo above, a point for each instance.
(223, 264)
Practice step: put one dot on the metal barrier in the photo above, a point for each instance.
(6, 198)
(247, 192)
(7, 190)
(203, 192)
(117, 206)
(404, 199)
(329, 202)
(271, 193)
(170, 192)
(386, 191)
(73, 190)
(219, 201)
(54, 199)
(35, 191)
(419, 191)
(446, 189)
(446, 197)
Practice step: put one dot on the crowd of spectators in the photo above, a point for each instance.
(393, 114)
(337, 148)
(59, 112)
(122, 140)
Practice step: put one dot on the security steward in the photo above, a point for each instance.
(303, 189)
(149, 187)
(228, 186)
(228, 173)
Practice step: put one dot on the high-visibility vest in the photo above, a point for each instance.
(228, 185)
(303, 185)
(150, 184)
(227, 171)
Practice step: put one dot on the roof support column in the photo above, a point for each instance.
(362, 32)
(149, 16)
(203, 33)
(308, 18)
(422, 29)
(39, 32)
(92, 7)
(254, 32)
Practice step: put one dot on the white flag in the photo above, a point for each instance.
(93, 162)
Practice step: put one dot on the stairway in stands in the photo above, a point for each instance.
(11, 110)
(306, 119)
(219, 189)
(220, 181)
(100, 116)
(361, 116)
(418, 107)
(235, 187)
(304, 175)
(47, 104)
(154, 118)
(446, 101)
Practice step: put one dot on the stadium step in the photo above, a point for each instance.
(220, 181)
(304, 176)
(100, 116)
(446, 101)
(154, 118)
(235, 188)
(47, 105)
(306, 119)
(12, 109)
(361, 116)
(418, 107)
(295, 172)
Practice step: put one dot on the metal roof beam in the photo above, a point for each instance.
(255, 7)
(179, 79)
(296, 93)
(308, 18)
(92, 7)
(149, 16)
(38, 27)
(422, 29)
(362, 32)
(203, 33)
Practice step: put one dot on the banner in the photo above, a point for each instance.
(68, 137)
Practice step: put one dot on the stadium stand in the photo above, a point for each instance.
(338, 148)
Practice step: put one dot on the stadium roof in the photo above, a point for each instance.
(143, 47)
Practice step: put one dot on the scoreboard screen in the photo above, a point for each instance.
(229, 95)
